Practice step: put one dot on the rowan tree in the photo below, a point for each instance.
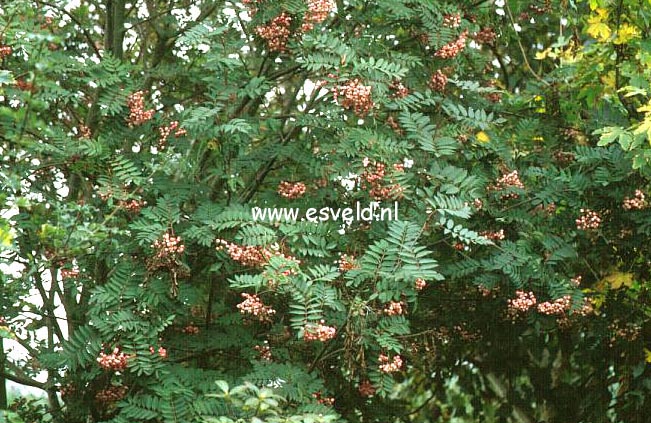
(137, 137)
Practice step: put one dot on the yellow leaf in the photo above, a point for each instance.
(626, 33)
(543, 54)
(647, 353)
(482, 137)
(6, 238)
(645, 127)
(615, 280)
(609, 79)
(597, 29)
(602, 12)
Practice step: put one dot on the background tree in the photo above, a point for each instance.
(136, 138)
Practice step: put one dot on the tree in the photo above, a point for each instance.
(138, 138)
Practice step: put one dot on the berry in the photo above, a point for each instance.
(116, 360)
(366, 389)
(5, 51)
(291, 190)
(420, 284)
(395, 308)
(347, 262)
(319, 332)
(317, 12)
(252, 305)
(519, 305)
(276, 33)
(355, 96)
(486, 36)
(452, 20)
(638, 202)
(453, 48)
(390, 366)
(588, 219)
(137, 113)
(438, 81)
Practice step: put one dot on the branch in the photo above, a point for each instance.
(21, 379)
(524, 53)
(81, 26)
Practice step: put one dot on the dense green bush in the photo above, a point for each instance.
(137, 137)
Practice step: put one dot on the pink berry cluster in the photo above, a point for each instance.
(167, 130)
(386, 192)
(168, 246)
(191, 329)
(291, 190)
(460, 246)
(565, 157)
(84, 132)
(132, 206)
(111, 394)
(478, 203)
(486, 35)
(548, 210)
(366, 389)
(438, 81)
(508, 180)
(5, 51)
(390, 365)
(115, 360)
(452, 20)
(137, 113)
(356, 96)
(493, 235)
(329, 401)
(586, 308)
(485, 292)
(638, 202)
(162, 352)
(276, 33)
(264, 350)
(519, 305)
(494, 97)
(420, 284)
(576, 281)
(587, 220)
(347, 262)
(67, 390)
(375, 175)
(540, 10)
(252, 305)
(319, 332)
(557, 307)
(453, 48)
(395, 308)
(70, 273)
(317, 12)
(23, 85)
(627, 332)
(399, 89)
(251, 255)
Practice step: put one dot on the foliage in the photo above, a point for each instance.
(137, 139)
